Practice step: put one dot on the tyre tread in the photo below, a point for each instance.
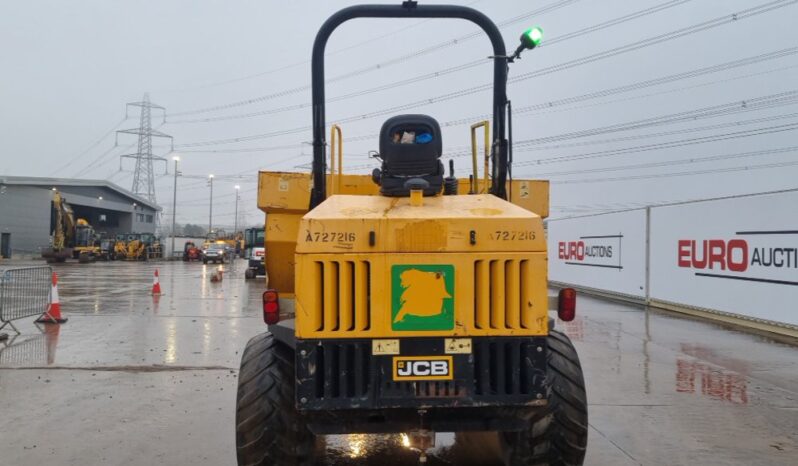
(559, 435)
(269, 430)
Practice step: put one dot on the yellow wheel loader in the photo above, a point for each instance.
(120, 247)
(410, 301)
(135, 248)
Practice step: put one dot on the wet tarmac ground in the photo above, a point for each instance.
(136, 380)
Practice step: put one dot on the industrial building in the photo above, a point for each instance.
(26, 219)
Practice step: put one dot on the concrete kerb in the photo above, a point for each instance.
(759, 326)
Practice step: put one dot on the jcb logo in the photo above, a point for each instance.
(422, 368)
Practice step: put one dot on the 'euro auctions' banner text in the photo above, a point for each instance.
(737, 255)
(605, 252)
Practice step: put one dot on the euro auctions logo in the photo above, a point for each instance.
(576, 250)
(592, 251)
(760, 256)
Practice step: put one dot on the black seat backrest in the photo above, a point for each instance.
(410, 147)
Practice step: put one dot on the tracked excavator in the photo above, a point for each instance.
(71, 237)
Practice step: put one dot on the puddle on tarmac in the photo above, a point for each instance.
(475, 448)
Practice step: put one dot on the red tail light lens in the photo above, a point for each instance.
(271, 307)
(566, 308)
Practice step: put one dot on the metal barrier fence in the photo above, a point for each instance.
(24, 292)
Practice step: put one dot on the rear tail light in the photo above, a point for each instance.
(271, 307)
(566, 306)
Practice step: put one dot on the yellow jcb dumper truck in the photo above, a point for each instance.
(410, 301)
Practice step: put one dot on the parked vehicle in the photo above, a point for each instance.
(191, 252)
(215, 252)
(107, 249)
(254, 252)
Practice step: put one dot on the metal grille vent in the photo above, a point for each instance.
(501, 294)
(346, 370)
(343, 291)
(505, 368)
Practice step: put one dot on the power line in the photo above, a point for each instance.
(434, 74)
(676, 174)
(665, 37)
(549, 105)
(93, 163)
(96, 163)
(379, 66)
(664, 145)
(754, 104)
(669, 163)
(659, 134)
(85, 151)
(743, 106)
(525, 111)
(726, 19)
(334, 52)
(737, 106)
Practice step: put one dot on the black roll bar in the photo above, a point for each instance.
(409, 9)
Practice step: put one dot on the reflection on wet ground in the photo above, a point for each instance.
(153, 380)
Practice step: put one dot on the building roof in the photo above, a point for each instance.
(49, 182)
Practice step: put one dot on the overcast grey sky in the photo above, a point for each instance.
(70, 67)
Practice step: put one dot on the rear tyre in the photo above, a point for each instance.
(269, 429)
(558, 435)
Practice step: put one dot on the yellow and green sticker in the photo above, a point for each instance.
(422, 297)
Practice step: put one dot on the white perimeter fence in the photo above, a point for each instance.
(734, 258)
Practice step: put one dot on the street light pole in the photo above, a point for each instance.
(210, 213)
(174, 205)
(235, 228)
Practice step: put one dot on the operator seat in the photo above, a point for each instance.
(410, 147)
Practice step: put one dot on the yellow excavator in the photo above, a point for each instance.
(71, 237)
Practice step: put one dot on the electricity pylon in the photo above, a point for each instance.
(144, 174)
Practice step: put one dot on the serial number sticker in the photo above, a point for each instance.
(510, 235)
(407, 368)
(329, 236)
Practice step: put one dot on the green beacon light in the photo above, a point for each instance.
(534, 36)
(530, 39)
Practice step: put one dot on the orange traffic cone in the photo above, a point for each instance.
(53, 313)
(156, 284)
